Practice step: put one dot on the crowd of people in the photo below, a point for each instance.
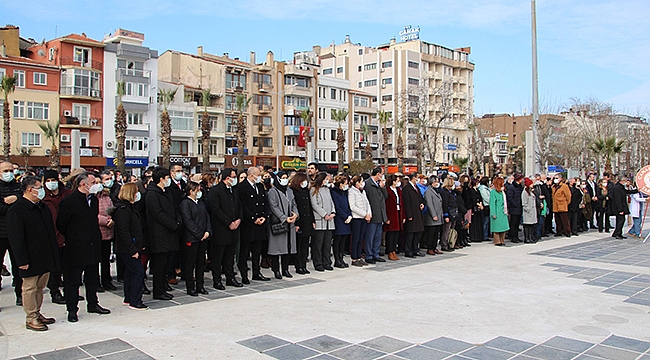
(62, 233)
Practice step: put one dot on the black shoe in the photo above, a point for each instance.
(192, 293)
(219, 286)
(98, 310)
(371, 261)
(100, 289)
(339, 265)
(81, 298)
(620, 237)
(146, 290)
(328, 267)
(139, 307)
(72, 317)
(245, 281)
(409, 255)
(319, 268)
(260, 277)
(305, 271)
(575, 234)
(286, 273)
(234, 282)
(300, 271)
(379, 259)
(345, 264)
(19, 301)
(164, 296)
(203, 291)
(110, 287)
(468, 244)
(277, 275)
(168, 288)
(57, 298)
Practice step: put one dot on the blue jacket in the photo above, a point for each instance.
(342, 207)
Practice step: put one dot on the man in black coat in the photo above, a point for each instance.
(177, 191)
(414, 225)
(513, 196)
(574, 205)
(254, 226)
(33, 241)
(9, 193)
(78, 222)
(163, 223)
(226, 214)
(618, 197)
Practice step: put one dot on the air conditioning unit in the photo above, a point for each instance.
(65, 138)
(48, 152)
(67, 113)
(382, 70)
(110, 145)
(383, 86)
(94, 93)
(383, 103)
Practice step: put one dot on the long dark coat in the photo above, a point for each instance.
(78, 222)
(305, 220)
(395, 216)
(255, 206)
(412, 201)
(129, 238)
(225, 208)
(163, 221)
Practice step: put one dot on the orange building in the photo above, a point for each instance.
(81, 61)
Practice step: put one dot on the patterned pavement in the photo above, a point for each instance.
(113, 349)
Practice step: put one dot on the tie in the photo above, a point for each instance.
(89, 198)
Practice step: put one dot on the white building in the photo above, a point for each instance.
(183, 122)
(333, 95)
(125, 59)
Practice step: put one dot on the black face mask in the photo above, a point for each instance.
(267, 181)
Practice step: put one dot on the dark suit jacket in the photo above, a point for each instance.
(225, 208)
(377, 198)
(177, 194)
(78, 222)
(412, 200)
(163, 220)
(255, 206)
(618, 197)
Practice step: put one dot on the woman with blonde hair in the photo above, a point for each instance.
(498, 212)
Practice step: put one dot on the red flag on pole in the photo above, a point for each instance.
(301, 137)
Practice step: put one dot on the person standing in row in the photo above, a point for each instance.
(324, 213)
(282, 209)
(450, 208)
(513, 197)
(196, 232)
(498, 212)
(10, 192)
(484, 190)
(342, 219)
(226, 215)
(619, 206)
(305, 224)
(561, 200)
(33, 241)
(361, 216)
(529, 212)
(414, 226)
(395, 215)
(375, 190)
(78, 222)
(253, 199)
(105, 200)
(434, 216)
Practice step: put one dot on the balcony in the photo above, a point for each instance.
(72, 122)
(69, 61)
(364, 109)
(125, 74)
(86, 151)
(291, 130)
(298, 90)
(265, 151)
(80, 92)
(235, 86)
(265, 130)
(301, 70)
(264, 87)
(138, 127)
(371, 128)
(264, 108)
(362, 145)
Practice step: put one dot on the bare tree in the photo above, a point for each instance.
(441, 107)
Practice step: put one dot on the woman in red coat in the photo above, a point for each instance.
(396, 215)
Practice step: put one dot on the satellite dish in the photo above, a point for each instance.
(41, 52)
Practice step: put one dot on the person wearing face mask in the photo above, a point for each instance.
(575, 205)
(324, 213)
(141, 208)
(33, 239)
(108, 234)
(602, 205)
(197, 230)
(252, 195)
(282, 209)
(342, 219)
(78, 222)
(9, 193)
(513, 194)
(226, 214)
(54, 193)
(112, 186)
(395, 213)
(561, 200)
(163, 225)
(177, 191)
(129, 244)
(434, 217)
(484, 190)
(619, 207)
(361, 216)
(414, 225)
(305, 223)
(375, 191)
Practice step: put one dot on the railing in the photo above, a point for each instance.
(70, 61)
(231, 128)
(90, 151)
(264, 107)
(236, 84)
(265, 86)
(81, 91)
(133, 72)
(80, 122)
(265, 130)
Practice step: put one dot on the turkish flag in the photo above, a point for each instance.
(301, 138)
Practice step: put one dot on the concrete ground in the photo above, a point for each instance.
(583, 297)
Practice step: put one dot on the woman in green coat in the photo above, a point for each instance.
(498, 213)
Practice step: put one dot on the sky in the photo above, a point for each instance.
(587, 49)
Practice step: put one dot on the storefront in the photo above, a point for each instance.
(187, 162)
(134, 165)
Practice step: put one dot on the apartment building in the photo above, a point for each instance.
(411, 79)
(333, 95)
(34, 101)
(127, 60)
(365, 126)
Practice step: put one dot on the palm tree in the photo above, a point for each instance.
(241, 103)
(8, 86)
(366, 137)
(607, 147)
(165, 97)
(461, 162)
(120, 127)
(51, 132)
(384, 120)
(205, 131)
(305, 115)
(400, 146)
(339, 115)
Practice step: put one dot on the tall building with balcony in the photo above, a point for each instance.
(127, 60)
(34, 101)
(411, 79)
(365, 126)
(81, 60)
(333, 95)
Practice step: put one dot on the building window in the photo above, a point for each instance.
(296, 101)
(80, 82)
(19, 109)
(360, 51)
(339, 69)
(137, 89)
(290, 140)
(327, 71)
(81, 112)
(181, 120)
(333, 155)
(262, 78)
(263, 142)
(413, 81)
(214, 147)
(414, 65)
(38, 111)
(20, 76)
(359, 68)
(298, 81)
(134, 118)
(262, 120)
(214, 121)
(82, 55)
(135, 144)
(359, 84)
(40, 78)
(387, 98)
(386, 64)
(30, 139)
(371, 66)
(179, 148)
(387, 81)
(234, 80)
(333, 94)
(333, 135)
(3, 72)
(360, 101)
(262, 100)
(371, 82)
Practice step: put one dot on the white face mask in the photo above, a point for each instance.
(108, 183)
(7, 176)
(138, 196)
(96, 188)
(423, 181)
(556, 181)
(436, 185)
(178, 176)
(361, 184)
(168, 182)
(304, 184)
(284, 182)
(398, 183)
(233, 181)
(326, 183)
(41, 194)
(198, 195)
(52, 185)
(345, 187)
(258, 179)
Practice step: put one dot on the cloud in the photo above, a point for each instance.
(634, 101)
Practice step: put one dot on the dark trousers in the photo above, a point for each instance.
(529, 232)
(620, 221)
(302, 248)
(562, 225)
(17, 280)
(222, 261)
(133, 279)
(548, 224)
(105, 263)
(358, 227)
(411, 242)
(423, 238)
(432, 236)
(321, 243)
(338, 247)
(194, 261)
(573, 221)
(72, 279)
(275, 262)
(514, 227)
(159, 263)
(55, 277)
(391, 241)
(603, 220)
(255, 249)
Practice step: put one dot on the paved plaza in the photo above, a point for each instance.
(585, 297)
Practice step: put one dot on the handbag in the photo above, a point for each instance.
(279, 228)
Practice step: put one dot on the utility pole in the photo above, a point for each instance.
(535, 121)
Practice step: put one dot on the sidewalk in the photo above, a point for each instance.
(584, 296)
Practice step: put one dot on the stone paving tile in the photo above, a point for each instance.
(386, 344)
(571, 345)
(127, 355)
(106, 347)
(607, 352)
(291, 352)
(112, 349)
(448, 345)
(73, 353)
(484, 352)
(508, 344)
(356, 352)
(550, 353)
(263, 343)
(324, 343)
(422, 353)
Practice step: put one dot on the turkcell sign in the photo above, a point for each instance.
(130, 162)
(410, 33)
